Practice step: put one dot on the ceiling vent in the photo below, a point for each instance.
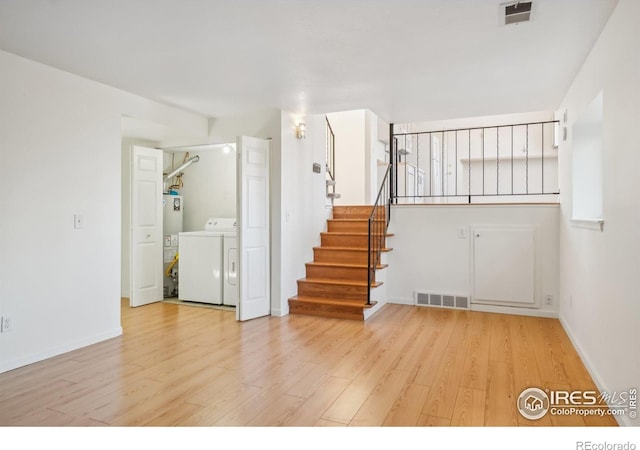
(516, 12)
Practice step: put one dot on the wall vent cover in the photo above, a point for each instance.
(441, 300)
(516, 12)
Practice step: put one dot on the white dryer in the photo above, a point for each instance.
(230, 270)
(203, 277)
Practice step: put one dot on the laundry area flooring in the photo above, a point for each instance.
(177, 365)
(176, 301)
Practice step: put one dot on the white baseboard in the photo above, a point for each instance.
(514, 310)
(491, 308)
(597, 379)
(371, 311)
(5, 366)
(401, 301)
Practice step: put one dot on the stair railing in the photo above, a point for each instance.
(378, 224)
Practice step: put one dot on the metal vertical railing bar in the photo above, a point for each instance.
(330, 151)
(511, 160)
(527, 161)
(542, 157)
(497, 160)
(377, 229)
(456, 172)
(442, 177)
(488, 167)
(482, 147)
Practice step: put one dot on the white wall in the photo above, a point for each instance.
(358, 149)
(350, 165)
(428, 255)
(599, 271)
(60, 141)
(209, 186)
(304, 213)
(374, 150)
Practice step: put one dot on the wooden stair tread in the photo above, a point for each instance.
(345, 265)
(351, 249)
(337, 282)
(353, 233)
(333, 301)
(354, 220)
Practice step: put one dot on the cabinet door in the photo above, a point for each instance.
(504, 265)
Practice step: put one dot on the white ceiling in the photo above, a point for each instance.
(406, 60)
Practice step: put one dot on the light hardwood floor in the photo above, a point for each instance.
(406, 366)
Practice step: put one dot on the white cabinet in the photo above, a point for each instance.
(503, 269)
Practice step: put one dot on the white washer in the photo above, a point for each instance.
(201, 262)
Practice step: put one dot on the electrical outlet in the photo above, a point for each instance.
(548, 299)
(6, 324)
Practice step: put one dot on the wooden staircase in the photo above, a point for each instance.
(336, 280)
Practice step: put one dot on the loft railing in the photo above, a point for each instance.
(467, 164)
(378, 224)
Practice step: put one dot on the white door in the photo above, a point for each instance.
(146, 226)
(253, 228)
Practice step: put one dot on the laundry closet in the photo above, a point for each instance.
(200, 244)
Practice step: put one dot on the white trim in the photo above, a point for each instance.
(589, 224)
(58, 350)
(277, 312)
(402, 301)
(516, 311)
(368, 312)
(623, 420)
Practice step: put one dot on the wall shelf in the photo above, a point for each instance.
(549, 156)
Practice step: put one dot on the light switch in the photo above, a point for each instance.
(78, 221)
(462, 232)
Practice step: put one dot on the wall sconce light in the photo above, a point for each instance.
(301, 131)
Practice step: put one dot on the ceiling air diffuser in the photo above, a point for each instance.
(516, 12)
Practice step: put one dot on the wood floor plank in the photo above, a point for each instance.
(374, 410)
(442, 394)
(431, 421)
(476, 365)
(379, 363)
(229, 399)
(26, 402)
(279, 411)
(174, 415)
(469, 409)
(328, 423)
(501, 398)
(178, 365)
(317, 403)
(407, 408)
